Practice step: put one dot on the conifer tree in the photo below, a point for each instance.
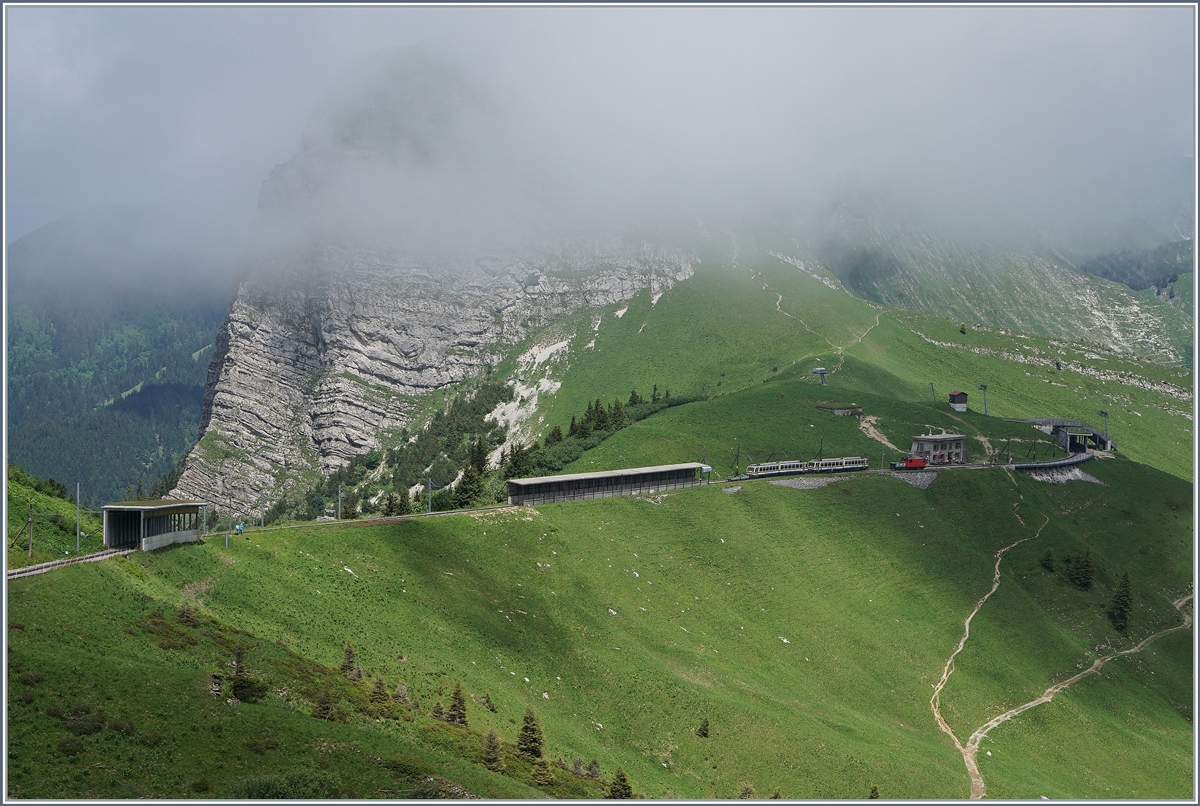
(491, 753)
(401, 695)
(593, 768)
(324, 708)
(438, 713)
(468, 489)
(600, 417)
(358, 675)
(635, 399)
(554, 437)
(1122, 603)
(573, 428)
(577, 766)
(530, 738)
(620, 788)
(654, 394)
(542, 774)
(1048, 560)
(379, 692)
(478, 455)
(702, 731)
(348, 660)
(404, 504)
(616, 416)
(874, 793)
(458, 707)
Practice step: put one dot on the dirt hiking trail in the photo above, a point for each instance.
(970, 750)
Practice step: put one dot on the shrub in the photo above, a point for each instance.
(200, 784)
(70, 746)
(409, 767)
(702, 731)
(261, 746)
(248, 689)
(294, 784)
(123, 726)
(31, 678)
(151, 738)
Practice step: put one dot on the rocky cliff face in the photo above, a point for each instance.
(309, 369)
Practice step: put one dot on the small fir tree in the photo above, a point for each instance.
(358, 674)
(438, 713)
(1122, 603)
(401, 695)
(702, 731)
(491, 753)
(324, 708)
(620, 788)
(577, 766)
(468, 489)
(1048, 561)
(458, 707)
(554, 437)
(542, 775)
(635, 399)
(379, 692)
(593, 769)
(530, 738)
(874, 792)
(654, 394)
(348, 660)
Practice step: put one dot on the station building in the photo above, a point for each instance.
(149, 525)
(939, 449)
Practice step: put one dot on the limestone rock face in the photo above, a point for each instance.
(312, 363)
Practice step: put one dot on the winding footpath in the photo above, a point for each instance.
(970, 750)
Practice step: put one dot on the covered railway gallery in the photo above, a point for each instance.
(606, 484)
(149, 525)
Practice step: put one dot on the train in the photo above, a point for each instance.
(838, 465)
(911, 463)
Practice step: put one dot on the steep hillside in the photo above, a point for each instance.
(53, 521)
(808, 627)
(768, 320)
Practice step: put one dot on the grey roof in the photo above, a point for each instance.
(604, 474)
(930, 437)
(158, 503)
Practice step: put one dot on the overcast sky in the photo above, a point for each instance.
(190, 108)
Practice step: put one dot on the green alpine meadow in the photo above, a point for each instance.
(599, 402)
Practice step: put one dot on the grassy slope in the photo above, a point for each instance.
(870, 603)
(53, 528)
(723, 320)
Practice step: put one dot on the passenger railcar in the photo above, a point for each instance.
(837, 465)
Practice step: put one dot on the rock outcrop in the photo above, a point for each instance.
(312, 365)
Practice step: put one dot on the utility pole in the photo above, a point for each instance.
(983, 388)
(230, 521)
(339, 512)
(429, 490)
(1104, 414)
(262, 510)
(31, 531)
(932, 396)
(76, 517)
(883, 457)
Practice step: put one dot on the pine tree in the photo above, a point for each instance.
(141, 491)
(458, 707)
(324, 708)
(391, 505)
(600, 417)
(573, 428)
(404, 503)
(478, 455)
(438, 713)
(702, 731)
(874, 793)
(635, 399)
(348, 660)
(530, 738)
(593, 768)
(1048, 560)
(616, 416)
(379, 693)
(401, 695)
(491, 753)
(654, 394)
(358, 675)
(577, 766)
(620, 789)
(542, 774)
(1122, 603)
(554, 437)
(468, 489)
